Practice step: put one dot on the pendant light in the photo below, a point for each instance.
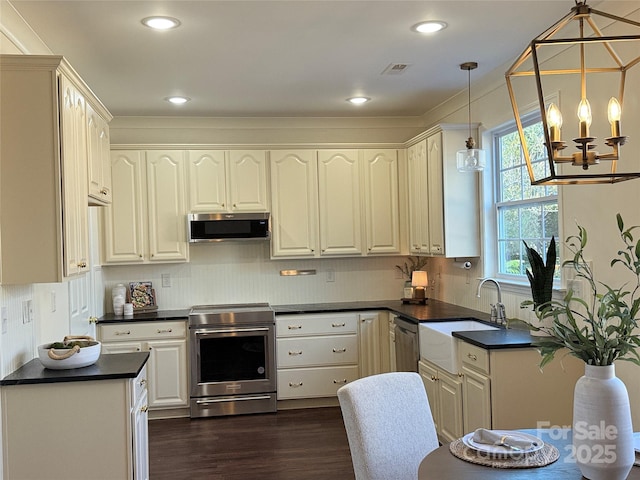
(557, 60)
(470, 159)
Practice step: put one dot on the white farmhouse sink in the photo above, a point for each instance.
(438, 345)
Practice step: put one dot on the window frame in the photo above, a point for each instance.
(531, 117)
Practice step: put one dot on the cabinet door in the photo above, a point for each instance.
(248, 181)
(476, 394)
(369, 339)
(168, 373)
(450, 426)
(166, 206)
(339, 199)
(435, 190)
(392, 343)
(140, 432)
(98, 162)
(207, 181)
(381, 201)
(430, 379)
(294, 203)
(418, 198)
(124, 221)
(74, 185)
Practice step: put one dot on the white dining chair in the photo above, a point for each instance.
(389, 425)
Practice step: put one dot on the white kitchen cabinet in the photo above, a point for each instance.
(444, 392)
(97, 426)
(443, 203)
(228, 181)
(43, 171)
(294, 203)
(490, 398)
(99, 161)
(146, 221)
(373, 343)
(339, 202)
(380, 195)
(316, 354)
(343, 201)
(166, 343)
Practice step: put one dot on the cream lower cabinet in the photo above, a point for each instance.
(316, 354)
(373, 339)
(444, 392)
(146, 221)
(166, 343)
(392, 342)
(85, 429)
(505, 388)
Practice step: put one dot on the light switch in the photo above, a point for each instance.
(166, 280)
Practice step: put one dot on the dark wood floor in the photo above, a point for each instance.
(306, 444)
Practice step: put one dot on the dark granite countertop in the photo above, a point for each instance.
(108, 367)
(157, 315)
(495, 339)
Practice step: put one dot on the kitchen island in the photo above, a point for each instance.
(79, 423)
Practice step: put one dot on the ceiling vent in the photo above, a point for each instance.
(396, 69)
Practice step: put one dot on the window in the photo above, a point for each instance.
(523, 211)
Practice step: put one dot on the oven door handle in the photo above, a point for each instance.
(234, 399)
(215, 331)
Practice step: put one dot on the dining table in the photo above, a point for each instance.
(441, 464)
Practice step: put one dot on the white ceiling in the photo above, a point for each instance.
(284, 58)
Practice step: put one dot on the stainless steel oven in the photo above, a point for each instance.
(232, 359)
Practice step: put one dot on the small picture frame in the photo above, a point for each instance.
(142, 296)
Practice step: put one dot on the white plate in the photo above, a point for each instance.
(500, 450)
(636, 441)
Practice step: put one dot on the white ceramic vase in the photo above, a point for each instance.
(602, 429)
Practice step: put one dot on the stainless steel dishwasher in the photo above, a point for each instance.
(407, 347)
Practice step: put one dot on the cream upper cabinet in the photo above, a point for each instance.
(43, 174)
(381, 201)
(443, 203)
(248, 190)
(74, 188)
(99, 163)
(418, 198)
(166, 206)
(146, 221)
(228, 181)
(339, 202)
(294, 190)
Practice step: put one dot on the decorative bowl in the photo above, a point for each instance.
(77, 352)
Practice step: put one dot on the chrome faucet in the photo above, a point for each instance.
(497, 309)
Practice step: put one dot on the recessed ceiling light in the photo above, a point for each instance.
(430, 26)
(358, 100)
(176, 100)
(161, 23)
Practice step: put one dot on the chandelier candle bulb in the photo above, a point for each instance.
(614, 113)
(554, 119)
(584, 115)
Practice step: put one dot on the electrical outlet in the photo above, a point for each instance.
(577, 286)
(331, 275)
(5, 319)
(166, 280)
(53, 301)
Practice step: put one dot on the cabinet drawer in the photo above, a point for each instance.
(152, 330)
(320, 324)
(315, 351)
(314, 382)
(474, 357)
(139, 386)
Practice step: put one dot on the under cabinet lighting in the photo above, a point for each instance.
(295, 273)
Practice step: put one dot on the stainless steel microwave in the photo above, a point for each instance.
(219, 227)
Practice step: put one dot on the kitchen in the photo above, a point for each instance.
(241, 272)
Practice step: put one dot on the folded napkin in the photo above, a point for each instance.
(492, 437)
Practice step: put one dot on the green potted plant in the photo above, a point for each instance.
(598, 332)
(541, 275)
(411, 265)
